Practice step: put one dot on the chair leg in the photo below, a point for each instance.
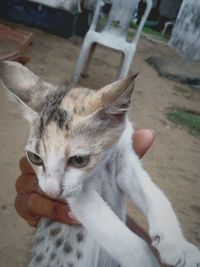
(125, 67)
(87, 63)
(120, 65)
(82, 59)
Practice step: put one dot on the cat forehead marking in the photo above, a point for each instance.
(59, 104)
(60, 114)
(52, 111)
(77, 101)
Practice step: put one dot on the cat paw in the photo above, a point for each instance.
(178, 255)
(170, 254)
(192, 255)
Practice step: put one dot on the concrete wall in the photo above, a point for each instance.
(169, 8)
(185, 37)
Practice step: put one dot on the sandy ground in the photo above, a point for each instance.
(173, 161)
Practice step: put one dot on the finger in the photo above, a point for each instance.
(27, 184)
(33, 207)
(25, 166)
(22, 209)
(137, 229)
(142, 141)
(54, 210)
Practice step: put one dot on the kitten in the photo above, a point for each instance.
(80, 148)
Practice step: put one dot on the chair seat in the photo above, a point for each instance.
(112, 41)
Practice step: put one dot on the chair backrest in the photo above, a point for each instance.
(120, 16)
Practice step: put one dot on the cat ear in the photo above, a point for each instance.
(115, 98)
(25, 87)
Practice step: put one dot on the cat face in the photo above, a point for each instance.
(68, 141)
(71, 131)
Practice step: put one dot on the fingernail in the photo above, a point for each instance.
(71, 216)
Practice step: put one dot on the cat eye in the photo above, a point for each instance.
(35, 159)
(79, 161)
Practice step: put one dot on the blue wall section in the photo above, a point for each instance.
(52, 20)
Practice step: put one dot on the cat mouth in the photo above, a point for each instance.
(61, 192)
(54, 195)
(66, 192)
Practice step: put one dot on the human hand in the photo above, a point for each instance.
(31, 203)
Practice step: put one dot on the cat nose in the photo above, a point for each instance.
(53, 188)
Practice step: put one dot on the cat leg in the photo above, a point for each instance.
(164, 227)
(109, 231)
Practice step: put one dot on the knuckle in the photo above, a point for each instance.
(55, 210)
(27, 184)
(24, 206)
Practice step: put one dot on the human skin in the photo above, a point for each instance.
(31, 203)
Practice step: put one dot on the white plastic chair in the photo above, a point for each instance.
(114, 35)
(167, 24)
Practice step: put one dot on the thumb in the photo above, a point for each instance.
(142, 141)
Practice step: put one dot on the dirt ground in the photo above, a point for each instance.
(173, 161)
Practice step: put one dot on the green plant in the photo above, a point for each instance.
(133, 26)
(187, 119)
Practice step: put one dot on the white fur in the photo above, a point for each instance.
(111, 233)
(27, 112)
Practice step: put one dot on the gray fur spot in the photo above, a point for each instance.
(39, 258)
(47, 249)
(108, 167)
(32, 254)
(79, 255)
(58, 262)
(52, 112)
(38, 240)
(53, 255)
(67, 247)
(80, 236)
(55, 231)
(59, 116)
(48, 223)
(59, 242)
(70, 264)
